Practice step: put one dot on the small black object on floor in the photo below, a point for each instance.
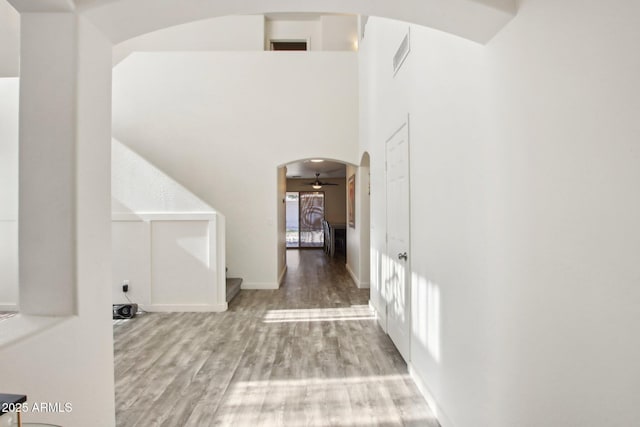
(125, 311)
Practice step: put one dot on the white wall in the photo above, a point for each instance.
(363, 224)
(358, 248)
(222, 33)
(171, 261)
(138, 186)
(477, 20)
(10, 41)
(166, 242)
(524, 207)
(181, 264)
(339, 32)
(51, 359)
(322, 32)
(8, 193)
(567, 99)
(131, 261)
(282, 223)
(353, 235)
(220, 127)
(309, 30)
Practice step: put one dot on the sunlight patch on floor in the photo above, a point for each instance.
(349, 401)
(341, 314)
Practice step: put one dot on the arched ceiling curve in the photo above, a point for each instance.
(477, 20)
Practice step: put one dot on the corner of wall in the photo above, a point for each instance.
(355, 278)
(260, 286)
(442, 418)
(281, 277)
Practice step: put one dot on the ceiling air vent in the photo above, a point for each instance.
(289, 45)
(402, 53)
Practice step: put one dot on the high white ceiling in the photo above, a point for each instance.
(308, 169)
(119, 20)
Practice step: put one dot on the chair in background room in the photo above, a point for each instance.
(327, 236)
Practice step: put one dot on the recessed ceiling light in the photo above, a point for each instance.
(317, 160)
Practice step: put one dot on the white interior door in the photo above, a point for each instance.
(397, 270)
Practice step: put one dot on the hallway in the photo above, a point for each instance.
(308, 354)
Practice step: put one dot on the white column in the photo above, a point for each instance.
(65, 120)
(47, 163)
(65, 214)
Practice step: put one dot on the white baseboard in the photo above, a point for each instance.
(375, 311)
(382, 321)
(281, 278)
(431, 401)
(195, 308)
(353, 275)
(364, 285)
(372, 307)
(259, 286)
(8, 307)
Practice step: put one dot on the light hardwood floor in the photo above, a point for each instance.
(308, 354)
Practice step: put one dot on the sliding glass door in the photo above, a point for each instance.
(311, 216)
(293, 219)
(304, 215)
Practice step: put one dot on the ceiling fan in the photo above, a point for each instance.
(317, 184)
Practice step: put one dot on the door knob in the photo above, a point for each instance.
(402, 255)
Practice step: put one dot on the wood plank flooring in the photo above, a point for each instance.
(308, 354)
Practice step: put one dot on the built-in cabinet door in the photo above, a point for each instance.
(397, 280)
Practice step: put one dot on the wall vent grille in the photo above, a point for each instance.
(402, 53)
(289, 45)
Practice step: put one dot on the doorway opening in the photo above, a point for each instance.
(314, 193)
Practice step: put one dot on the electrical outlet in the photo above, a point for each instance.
(125, 286)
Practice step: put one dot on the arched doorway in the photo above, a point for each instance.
(313, 197)
(477, 20)
(65, 115)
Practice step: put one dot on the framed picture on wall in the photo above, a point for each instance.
(351, 201)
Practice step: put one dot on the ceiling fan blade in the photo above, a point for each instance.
(319, 183)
